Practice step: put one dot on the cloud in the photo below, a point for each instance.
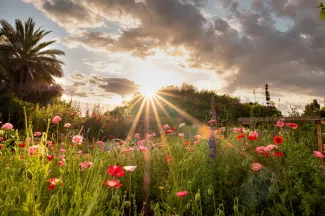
(68, 13)
(255, 52)
(93, 85)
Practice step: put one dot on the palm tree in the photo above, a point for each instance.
(24, 58)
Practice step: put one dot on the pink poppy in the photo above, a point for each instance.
(61, 163)
(36, 134)
(212, 121)
(292, 125)
(169, 131)
(196, 142)
(53, 182)
(217, 131)
(137, 136)
(49, 143)
(166, 126)
(32, 149)
(1, 139)
(79, 152)
(256, 166)
(147, 136)
(100, 143)
(279, 124)
(236, 130)
(56, 119)
(62, 150)
(271, 147)
(181, 193)
(129, 168)
(85, 164)
(67, 125)
(7, 126)
(253, 133)
(113, 183)
(140, 142)
(181, 134)
(142, 148)
(318, 154)
(198, 137)
(77, 139)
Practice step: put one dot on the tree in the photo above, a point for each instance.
(322, 11)
(312, 109)
(24, 59)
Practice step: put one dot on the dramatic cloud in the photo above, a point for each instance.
(86, 86)
(253, 53)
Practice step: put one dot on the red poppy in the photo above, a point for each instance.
(50, 157)
(169, 159)
(172, 129)
(121, 142)
(113, 183)
(252, 137)
(186, 143)
(278, 154)
(240, 136)
(22, 145)
(266, 154)
(278, 140)
(169, 131)
(115, 171)
(1, 146)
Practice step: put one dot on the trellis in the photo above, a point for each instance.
(317, 120)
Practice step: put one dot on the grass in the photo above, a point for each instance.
(224, 185)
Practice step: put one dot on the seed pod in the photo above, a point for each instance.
(29, 175)
(127, 204)
(210, 192)
(197, 197)
(235, 209)
(188, 206)
(17, 199)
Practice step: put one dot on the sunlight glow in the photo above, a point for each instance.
(148, 92)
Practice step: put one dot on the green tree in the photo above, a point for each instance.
(26, 60)
(312, 109)
(322, 11)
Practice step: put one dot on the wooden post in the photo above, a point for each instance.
(319, 136)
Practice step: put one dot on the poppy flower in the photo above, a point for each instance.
(166, 126)
(67, 125)
(256, 166)
(61, 163)
(181, 193)
(181, 134)
(62, 150)
(212, 121)
(319, 154)
(279, 124)
(22, 145)
(100, 143)
(278, 154)
(7, 126)
(196, 142)
(181, 125)
(252, 137)
(77, 139)
(53, 182)
(236, 130)
(56, 119)
(197, 137)
(143, 149)
(240, 136)
(115, 171)
(186, 143)
(137, 136)
(172, 129)
(1, 139)
(113, 183)
(129, 168)
(169, 131)
(38, 133)
(169, 159)
(278, 140)
(1, 146)
(49, 157)
(292, 125)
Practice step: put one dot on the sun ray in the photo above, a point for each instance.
(140, 97)
(161, 132)
(181, 112)
(163, 109)
(136, 120)
(147, 114)
(169, 94)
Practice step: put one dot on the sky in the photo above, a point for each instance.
(114, 48)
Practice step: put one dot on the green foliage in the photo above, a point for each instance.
(322, 11)
(312, 109)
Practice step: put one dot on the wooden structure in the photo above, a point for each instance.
(318, 121)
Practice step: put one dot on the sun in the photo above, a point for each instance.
(148, 92)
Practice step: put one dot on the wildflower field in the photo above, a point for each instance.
(270, 170)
